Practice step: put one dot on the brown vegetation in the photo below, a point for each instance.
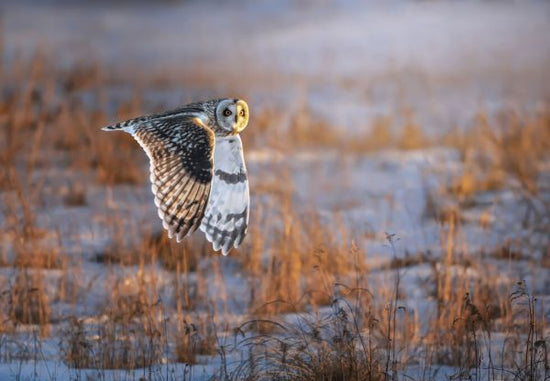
(168, 302)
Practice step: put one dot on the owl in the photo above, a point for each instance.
(197, 168)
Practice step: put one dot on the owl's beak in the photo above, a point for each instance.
(242, 116)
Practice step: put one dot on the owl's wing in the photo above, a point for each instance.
(225, 220)
(180, 150)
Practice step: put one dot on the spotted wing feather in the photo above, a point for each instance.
(180, 152)
(225, 221)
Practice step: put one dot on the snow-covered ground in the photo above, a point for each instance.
(350, 62)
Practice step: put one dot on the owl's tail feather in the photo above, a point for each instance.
(127, 126)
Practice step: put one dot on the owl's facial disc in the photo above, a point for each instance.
(232, 116)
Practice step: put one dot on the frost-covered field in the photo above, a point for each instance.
(400, 179)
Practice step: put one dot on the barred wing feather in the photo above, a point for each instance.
(225, 220)
(180, 151)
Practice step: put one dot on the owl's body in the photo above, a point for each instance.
(198, 174)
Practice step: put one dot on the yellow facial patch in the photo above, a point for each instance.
(242, 116)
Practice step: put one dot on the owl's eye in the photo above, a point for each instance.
(227, 112)
(242, 113)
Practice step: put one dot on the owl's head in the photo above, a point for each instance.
(231, 116)
(223, 116)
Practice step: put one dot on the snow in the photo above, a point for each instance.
(440, 62)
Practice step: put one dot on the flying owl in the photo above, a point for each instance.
(198, 174)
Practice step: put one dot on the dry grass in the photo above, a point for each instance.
(507, 152)
(302, 130)
(25, 302)
(297, 263)
(330, 347)
(195, 339)
(125, 344)
(128, 332)
(173, 306)
(76, 195)
(508, 147)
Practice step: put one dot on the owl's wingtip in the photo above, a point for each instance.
(127, 126)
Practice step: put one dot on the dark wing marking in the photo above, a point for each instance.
(180, 150)
(225, 220)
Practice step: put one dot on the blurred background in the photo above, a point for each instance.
(354, 60)
(398, 156)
